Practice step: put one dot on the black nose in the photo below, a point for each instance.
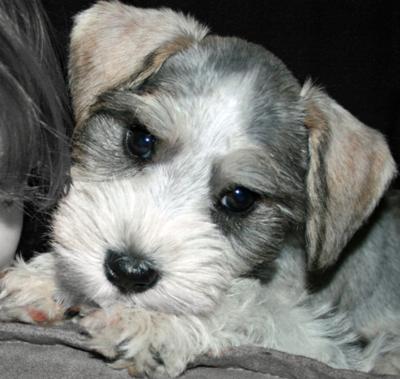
(128, 272)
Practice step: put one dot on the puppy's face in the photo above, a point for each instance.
(196, 173)
(185, 178)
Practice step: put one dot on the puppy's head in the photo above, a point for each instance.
(195, 156)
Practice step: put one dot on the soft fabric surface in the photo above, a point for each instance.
(59, 352)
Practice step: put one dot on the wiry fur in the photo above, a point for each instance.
(225, 112)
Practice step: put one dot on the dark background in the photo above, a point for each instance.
(351, 47)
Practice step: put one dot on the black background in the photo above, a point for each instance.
(351, 47)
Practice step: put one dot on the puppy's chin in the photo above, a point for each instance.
(167, 299)
(159, 299)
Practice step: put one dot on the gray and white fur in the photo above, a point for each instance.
(305, 269)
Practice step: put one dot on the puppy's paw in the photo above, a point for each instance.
(136, 340)
(27, 294)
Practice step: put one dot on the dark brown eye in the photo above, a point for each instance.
(240, 199)
(140, 143)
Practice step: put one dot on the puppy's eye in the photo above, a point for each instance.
(240, 199)
(140, 143)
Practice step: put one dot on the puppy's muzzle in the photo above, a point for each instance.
(129, 273)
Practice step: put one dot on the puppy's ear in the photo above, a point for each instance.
(112, 43)
(350, 167)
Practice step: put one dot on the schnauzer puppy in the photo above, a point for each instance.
(210, 191)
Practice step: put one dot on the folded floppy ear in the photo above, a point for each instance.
(112, 42)
(350, 167)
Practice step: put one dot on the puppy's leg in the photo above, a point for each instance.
(147, 342)
(27, 292)
(156, 344)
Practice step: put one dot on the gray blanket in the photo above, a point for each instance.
(59, 352)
